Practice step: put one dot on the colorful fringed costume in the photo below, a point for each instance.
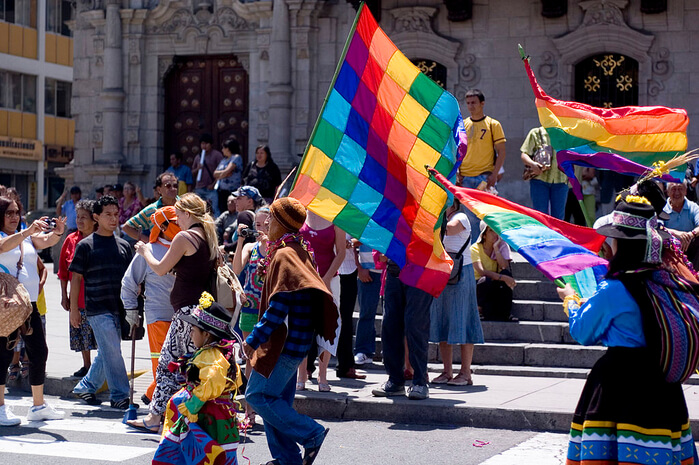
(200, 420)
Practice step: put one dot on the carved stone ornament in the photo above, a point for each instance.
(547, 74)
(662, 69)
(469, 76)
(165, 64)
(604, 12)
(413, 19)
(225, 18)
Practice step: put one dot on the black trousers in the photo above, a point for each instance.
(35, 346)
(495, 298)
(348, 298)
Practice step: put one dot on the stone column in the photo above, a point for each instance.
(112, 95)
(280, 89)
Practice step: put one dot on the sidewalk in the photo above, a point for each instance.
(511, 402)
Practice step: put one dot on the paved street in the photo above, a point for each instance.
(92, 435)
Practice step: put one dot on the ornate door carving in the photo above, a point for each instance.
(607, 80)
(205, 94)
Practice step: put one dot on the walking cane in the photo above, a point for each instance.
(132, 412)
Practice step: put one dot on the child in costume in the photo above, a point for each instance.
(200, 421)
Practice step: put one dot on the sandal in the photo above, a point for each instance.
(14, 372)
(461, 380)
(141, 425)
(300, 386)
(443, 378)
(323, 387)
(24, 372)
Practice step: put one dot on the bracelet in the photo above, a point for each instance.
(499, 276)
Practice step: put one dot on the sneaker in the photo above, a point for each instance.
(122, 404)
(81, 372)
(418, 392)
(388, 389)
(7, 418)
(362, 359)
(44, 412)
(89, 398)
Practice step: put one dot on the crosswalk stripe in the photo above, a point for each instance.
(542, 449)
(69, 449)
(88, 426)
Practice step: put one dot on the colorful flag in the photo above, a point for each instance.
(585, 156)
(364, 166)
(641, 134)
(556, 248)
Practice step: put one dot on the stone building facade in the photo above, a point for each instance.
(151, 75)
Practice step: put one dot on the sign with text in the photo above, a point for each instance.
(24, 149)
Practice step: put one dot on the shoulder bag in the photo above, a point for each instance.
(542, 155)
(458, 259)
(226, 288)
(15, 304)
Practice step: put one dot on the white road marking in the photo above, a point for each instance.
(89, 426)
(542, 449)
(76, 450)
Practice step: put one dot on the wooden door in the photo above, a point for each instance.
(205, 94)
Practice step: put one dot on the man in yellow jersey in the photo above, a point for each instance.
(486, 148)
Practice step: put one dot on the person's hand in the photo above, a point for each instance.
(364, 275)
(140, 248)
(131, 316)
(685, 239)
(356, 243)
(693, 182)
(492, 179)
(509, 280)
(537, 168)
(240, 230)
(38, 226)
(60, 225)
(138, 190)
(75, 318)
(564, 292)
(459, 179)
(65, 303)
(248, 351)
(327, 280)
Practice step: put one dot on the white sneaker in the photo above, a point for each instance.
(7, 418)
(44, 412)
(362, 359)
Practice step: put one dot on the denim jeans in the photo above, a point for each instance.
(544, 194)
(109, 364)
(211, 196)
(273, 398)
(406, 316)
(473, 182)
(365, 337)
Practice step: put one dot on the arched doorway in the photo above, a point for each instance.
(607, 80)
(205, 94)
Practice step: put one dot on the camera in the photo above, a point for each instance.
(247, 232)
(51, 224)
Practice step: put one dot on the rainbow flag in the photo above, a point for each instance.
(364, 166)
(641, 134)
(556, 248)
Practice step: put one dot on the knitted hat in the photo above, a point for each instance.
(289, 212)
(164, 219)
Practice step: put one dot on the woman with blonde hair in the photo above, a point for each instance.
(193, 256)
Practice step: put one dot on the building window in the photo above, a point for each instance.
(607, 80)
(22, 12)
(17, 91)
(57, 98)
(435, 71)
(58, 12)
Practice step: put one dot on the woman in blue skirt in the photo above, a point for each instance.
(454, 314)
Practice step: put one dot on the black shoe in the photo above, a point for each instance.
(89, 398)
(81, 372)
(122, 404)
(311, 453)
(146, 400)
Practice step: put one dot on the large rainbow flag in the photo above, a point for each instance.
(364, 166)
(641, 134)
(556, 248)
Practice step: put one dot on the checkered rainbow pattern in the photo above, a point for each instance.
(364, 167)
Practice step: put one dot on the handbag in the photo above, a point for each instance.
(15, 304)
(226, 289)
(458, 259)
(543, 156)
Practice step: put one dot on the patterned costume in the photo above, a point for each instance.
(200, 420)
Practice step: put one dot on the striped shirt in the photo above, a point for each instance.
(142, 219)
(297, 306)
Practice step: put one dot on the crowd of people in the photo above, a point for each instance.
(302, 277)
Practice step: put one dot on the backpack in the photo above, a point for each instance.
(675, 304)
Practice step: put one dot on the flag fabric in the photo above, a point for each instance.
(641, 134)
(556, 248)
(585, 156)
(364, 166)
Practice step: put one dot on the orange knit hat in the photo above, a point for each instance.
(164, 219)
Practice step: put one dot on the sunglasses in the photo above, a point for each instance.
(11, 213)
(170, 186)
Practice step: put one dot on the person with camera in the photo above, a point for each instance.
(548, 186)
(18, 258)
(245, 262)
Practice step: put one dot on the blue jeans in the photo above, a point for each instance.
(406, 316)
(365, 337)
(211, 196)
(545, 193)
(472, 182)
(109, 364)
(273, 398)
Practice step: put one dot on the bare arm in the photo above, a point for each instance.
(527, 160)
(10, 242)
(340, 250)
(75, 283)
(224, 173)
(43, 241)
(499, 162)
(454, 227)
(180, 245)
(134, 233)
(242, 254)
